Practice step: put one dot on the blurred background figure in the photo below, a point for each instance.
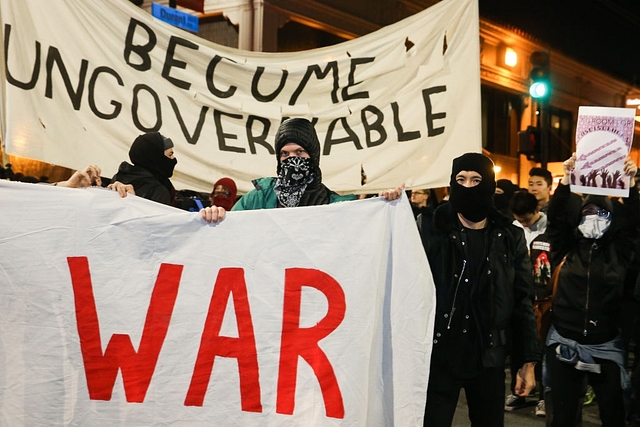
(540, 184)
(153, 161)
(420, 202)
(224, 193)
(502, 197)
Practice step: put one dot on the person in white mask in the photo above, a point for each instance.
(592, 243)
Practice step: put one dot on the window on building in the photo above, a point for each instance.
(501, 113)
(296, 37)
(219, 30)
(561, 135)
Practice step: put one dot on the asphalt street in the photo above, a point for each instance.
(524, 417)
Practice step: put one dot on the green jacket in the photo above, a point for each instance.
(264, 197)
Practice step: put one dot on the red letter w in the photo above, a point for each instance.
(137, 367)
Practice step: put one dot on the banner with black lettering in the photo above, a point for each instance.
(82, 79)
(121, 311)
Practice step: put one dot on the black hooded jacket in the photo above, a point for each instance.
(151, 169)
(586, 306)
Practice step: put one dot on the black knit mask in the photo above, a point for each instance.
(473, 203)
(147, 151)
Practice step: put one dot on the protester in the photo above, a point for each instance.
(526, 212)
(482, 275)
(504, 191)
(592, 243)
(153, 159)
(540, 183)
(420, 202)
(224, 193)
(89, 177)
(299, 179)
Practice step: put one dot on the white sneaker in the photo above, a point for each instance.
(540, 409)
(514, 402)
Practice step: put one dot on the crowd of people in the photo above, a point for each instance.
(497, 252)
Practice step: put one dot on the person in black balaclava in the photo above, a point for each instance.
(299, 180)
(153, 161)
(484, 287)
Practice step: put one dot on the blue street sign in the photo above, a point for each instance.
(172, 16)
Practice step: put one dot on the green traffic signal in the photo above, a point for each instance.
(539, 90)
(540, 75)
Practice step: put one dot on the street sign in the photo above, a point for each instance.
(175, 17)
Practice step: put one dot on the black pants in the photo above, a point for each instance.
(484, 392)
(567, 390)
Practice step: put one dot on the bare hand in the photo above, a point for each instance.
(525, 380)
(630, 169)
(213, 214)
(392, 194)
(569, 164)
(83, 178)
(122, 189)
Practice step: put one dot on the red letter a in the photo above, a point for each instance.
(297, 341)
(243, 348)
(137, 367)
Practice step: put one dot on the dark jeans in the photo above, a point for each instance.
(567, 391)
(484, 392)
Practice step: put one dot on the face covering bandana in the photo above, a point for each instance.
(594, 226)
(295, 175)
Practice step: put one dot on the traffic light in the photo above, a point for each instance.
(541, 84)
(530, 143)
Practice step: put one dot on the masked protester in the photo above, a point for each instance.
(224, 193)
(152, 155)
(592, 244)
(299, 180)
(484, 287)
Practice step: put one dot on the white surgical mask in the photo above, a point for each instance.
(594, 226)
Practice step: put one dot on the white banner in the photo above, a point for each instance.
(83, 78)
(127, 312)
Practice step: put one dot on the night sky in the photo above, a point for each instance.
(602, 33)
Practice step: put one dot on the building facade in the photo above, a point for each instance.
(507, 107)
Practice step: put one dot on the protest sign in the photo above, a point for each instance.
(603, 141)
(82, 79)
(121, 311)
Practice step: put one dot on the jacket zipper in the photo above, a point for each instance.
(586, 307)
(455, 295)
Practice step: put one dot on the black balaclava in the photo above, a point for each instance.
(291, 190)
(473, 203)
(147, 151)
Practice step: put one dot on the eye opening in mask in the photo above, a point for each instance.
(591, 209)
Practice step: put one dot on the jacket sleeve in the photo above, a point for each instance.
(626, 239)
(563, 217)
(526, 337)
